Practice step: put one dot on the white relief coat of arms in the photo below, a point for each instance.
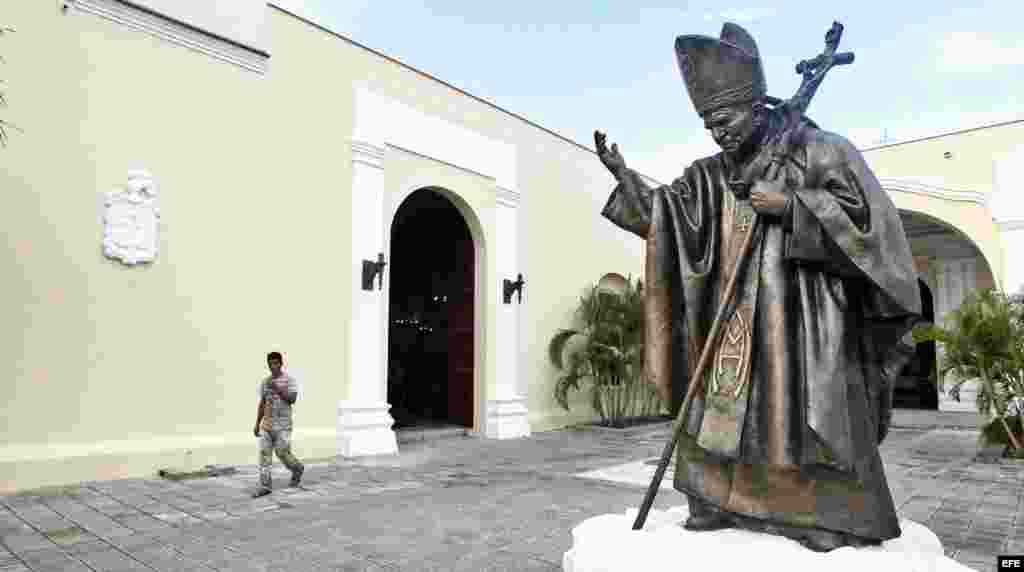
(131, 221)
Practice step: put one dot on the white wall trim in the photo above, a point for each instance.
(507, 418)
(1009, 225)
(439, 160)
(364, 421)
(368, 154)
(62, 451)
(382, 122)
(173, 31)
(364, 428)
(507, 197)
(914, 187)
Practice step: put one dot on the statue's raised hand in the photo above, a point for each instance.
(611, 158)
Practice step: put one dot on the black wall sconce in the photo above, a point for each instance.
(373, 270)
(510, 287)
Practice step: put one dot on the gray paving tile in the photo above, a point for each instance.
(468, 505)
(112, 510)
(352, 565)
(505, 562)
(93, 545)
(21, 542)
(142, 523)
(982, 560)
(65, 507)
(12, 529)
(100, 525)
(165, 558)
(55, 562)
(113, 560)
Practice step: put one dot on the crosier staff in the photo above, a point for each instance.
(775, 155)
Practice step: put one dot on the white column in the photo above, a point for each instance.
(364, 421)
(956, 279)
(1006, 203)
(505, 413)
(1012, 235)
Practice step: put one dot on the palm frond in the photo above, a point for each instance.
(611, 353)
(562, 386)
(556, 348)
(983, 339)
(596, 401)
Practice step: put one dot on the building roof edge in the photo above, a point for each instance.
(378, 53)
(944, 134)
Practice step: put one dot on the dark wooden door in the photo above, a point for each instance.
(460, 336)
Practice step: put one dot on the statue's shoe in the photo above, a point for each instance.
(823, 541)
(708, 522)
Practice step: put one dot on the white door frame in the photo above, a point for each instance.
(381, 125)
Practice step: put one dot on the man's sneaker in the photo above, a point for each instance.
(297, 476)
(262, 492)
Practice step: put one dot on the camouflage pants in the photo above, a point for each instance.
(280, 442)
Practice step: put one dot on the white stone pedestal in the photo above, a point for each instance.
(364, 428)
(607, 543)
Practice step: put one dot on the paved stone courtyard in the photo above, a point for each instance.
(459, 504)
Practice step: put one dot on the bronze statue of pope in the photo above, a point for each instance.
(783, 436)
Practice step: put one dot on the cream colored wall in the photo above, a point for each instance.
(564, 243)
(969, 169)
(119, 371)
(570, 246)
(116, 371)
(246, 24)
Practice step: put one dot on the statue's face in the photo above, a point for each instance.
(732, 127)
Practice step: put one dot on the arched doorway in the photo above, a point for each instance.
(950, 265)
(915, 388)
(430, 329)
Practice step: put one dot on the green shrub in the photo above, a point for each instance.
(994, 433)
(983, 339)
(607, 352)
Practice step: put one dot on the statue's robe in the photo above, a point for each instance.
(785, 433)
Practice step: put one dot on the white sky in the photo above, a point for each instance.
(922, 67)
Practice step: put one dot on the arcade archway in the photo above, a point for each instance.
(949, 266)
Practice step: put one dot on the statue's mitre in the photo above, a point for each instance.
(721, 71)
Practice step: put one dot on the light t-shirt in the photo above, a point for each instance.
(277, 413)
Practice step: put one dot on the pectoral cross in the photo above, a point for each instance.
(744, 216)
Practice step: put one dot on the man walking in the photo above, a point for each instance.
(274, 423)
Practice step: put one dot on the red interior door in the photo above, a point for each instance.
(460, 337)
